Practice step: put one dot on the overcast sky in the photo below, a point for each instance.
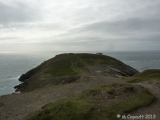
(79, 25)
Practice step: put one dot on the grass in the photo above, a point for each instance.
(36, 84)
(72, 64)
(62, 110)
(149, 74)
(92, 59)
(65, 65)
(142, 99)
(146, 75)
(93, 105)
(99, 90)
(53, 70)
(61, 68)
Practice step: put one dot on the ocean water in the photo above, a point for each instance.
(139, 60)
(12, 65)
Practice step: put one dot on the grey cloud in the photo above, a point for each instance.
(39, 26)
(141, 22)
(128, 25)
(128, 30)
(149, 39)
(20, 12)
(8, 38)
(149, 36)
(88, 25)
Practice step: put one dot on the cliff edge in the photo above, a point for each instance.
(67, 68)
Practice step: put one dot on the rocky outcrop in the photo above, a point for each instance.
(67, 68)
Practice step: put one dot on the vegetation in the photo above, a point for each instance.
(58, 69)
(61, 67)
(96, 104)
(143, 98)
(98, 59)
(146, 75)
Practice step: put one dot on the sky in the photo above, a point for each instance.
(79, 25)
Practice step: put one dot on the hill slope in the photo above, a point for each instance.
(152, 74)
(102, 103)
(67, 68)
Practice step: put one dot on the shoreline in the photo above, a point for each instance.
(18, 58)
(94, 77)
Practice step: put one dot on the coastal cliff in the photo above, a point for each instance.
(83, 86)
(68, 68)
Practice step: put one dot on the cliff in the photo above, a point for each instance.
(100, 88)
(67, 68)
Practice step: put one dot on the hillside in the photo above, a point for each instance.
(152, 74)
(83, 86)
(68, 68)
(96, 104)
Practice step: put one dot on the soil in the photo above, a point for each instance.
(151, 112)
(18, 106)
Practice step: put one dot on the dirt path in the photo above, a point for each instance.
(17, 106)
(151, 112)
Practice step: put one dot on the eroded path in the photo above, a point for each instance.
(17, 106)
(151, 112)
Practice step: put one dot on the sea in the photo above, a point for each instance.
(13, 65)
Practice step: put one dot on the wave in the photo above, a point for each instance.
(3, 88)
(14, 78)
(9, 79)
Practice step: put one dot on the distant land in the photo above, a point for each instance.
(83, 86)
(64, 67)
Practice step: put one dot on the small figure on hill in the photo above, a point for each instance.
(99, 53)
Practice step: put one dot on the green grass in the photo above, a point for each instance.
(61, 68)
(149, 73)
(99, 90)
(142, 99)
(36, 84)
(146, 75)
(65, 65)
(62, 110)
(86, 105)
(74, 64)
(92, 59)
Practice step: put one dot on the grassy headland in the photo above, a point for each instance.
(58, 69)
(81, 87)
